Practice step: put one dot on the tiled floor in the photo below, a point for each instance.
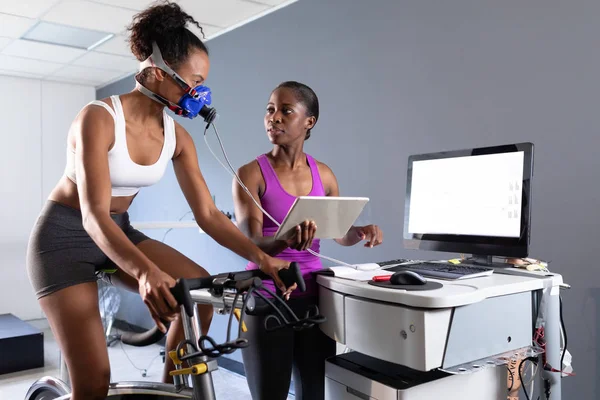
(126, 365)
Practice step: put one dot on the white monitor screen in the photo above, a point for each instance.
(474, 195)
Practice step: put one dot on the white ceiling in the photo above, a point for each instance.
(112, 60)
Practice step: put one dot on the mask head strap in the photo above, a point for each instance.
(156, 60)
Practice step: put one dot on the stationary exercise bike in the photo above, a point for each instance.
(196, 359)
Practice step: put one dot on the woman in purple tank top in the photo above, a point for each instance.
(275, 180)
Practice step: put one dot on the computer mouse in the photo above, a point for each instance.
(407, 278)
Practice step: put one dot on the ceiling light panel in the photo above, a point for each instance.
(64, 35)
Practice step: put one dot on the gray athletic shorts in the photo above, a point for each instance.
(62, 254)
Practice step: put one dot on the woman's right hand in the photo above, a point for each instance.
(302, 237)
(154, 287)
(271, 266)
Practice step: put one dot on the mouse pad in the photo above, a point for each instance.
(430, 285)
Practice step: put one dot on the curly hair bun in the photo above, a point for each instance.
(164, 23)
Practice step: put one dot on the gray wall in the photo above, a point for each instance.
(402, 77)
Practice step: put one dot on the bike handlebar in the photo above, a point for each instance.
(146, 338)
(241, 281)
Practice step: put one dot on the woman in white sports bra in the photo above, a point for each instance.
(115, 147)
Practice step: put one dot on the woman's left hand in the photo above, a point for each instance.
(371, 233)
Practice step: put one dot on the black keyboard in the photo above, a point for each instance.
(439, 270)
(384, 264)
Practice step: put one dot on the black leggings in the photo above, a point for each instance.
(272, 357)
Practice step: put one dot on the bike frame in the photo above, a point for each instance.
(202, 384)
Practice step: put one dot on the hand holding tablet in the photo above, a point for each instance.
(333, 216)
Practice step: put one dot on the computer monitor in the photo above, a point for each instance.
(475, 201)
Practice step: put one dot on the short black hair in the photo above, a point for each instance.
(164, 23)
(305, 95)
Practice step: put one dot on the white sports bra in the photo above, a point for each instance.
(126, 176)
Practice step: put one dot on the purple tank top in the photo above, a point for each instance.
(277, 202)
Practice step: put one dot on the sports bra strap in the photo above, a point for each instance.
(106, 106)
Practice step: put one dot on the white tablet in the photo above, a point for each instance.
(334, 216)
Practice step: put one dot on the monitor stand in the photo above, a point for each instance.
(485, 261)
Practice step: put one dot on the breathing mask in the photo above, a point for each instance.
(195, 100)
